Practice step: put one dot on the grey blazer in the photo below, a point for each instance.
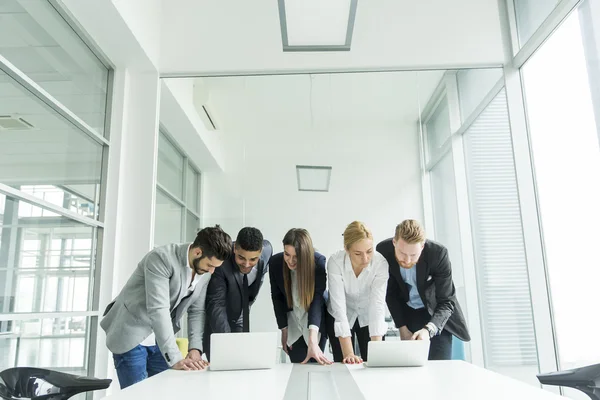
(146, 304)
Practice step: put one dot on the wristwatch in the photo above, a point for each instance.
(430, 330)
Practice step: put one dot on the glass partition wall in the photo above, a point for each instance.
(53, 146)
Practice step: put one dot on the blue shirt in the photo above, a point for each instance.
(409, 276)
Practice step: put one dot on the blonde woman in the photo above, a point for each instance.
(357, 277)
(298, 282)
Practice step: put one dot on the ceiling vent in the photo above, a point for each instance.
(312, 178)
(209, 121)
(14, 123)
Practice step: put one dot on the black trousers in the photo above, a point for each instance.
(357, 333)
(299, 349)
(440, 347)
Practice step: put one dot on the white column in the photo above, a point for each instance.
(130, 189)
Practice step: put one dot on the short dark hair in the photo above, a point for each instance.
(249, 239)
(214, 242)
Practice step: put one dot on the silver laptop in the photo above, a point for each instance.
(235, 351)
(398, 353)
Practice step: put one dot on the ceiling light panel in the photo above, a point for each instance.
(312, 178)
(317, 25)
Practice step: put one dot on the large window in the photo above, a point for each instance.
(437, 128)
(44, 154)
(473, 182)
(37, 41)
(49, 267)
(177, 217)
(502, 274)
(57, 342)
(532, 167)
(443, 193)
(561, 81)
(440, 172)
(53, 97)
(530, 14)
(473, 86)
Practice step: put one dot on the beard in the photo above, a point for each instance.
(197, 268)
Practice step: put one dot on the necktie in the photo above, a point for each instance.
(245, 305)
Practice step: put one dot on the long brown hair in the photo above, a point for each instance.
(305, 267)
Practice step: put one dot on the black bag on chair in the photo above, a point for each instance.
(45, 384)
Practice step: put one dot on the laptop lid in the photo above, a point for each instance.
(238, 351)
(398, 353)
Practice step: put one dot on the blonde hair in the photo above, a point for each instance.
(410, 231)
(355, 232)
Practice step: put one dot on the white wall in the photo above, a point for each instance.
(375, 179)
(144, 20)
(179, 117)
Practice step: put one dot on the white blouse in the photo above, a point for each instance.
(298, 317)
(362, 297)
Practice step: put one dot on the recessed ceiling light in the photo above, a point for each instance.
(314, 25)
(312, 178)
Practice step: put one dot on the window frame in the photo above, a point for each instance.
(97, 223)
(182, 202)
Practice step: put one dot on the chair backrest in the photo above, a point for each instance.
(39, 383)
(585, 379)
(458, 349)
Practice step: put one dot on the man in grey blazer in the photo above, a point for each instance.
(421, 296)
(142, 321)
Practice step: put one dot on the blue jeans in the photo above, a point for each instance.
(138, 364)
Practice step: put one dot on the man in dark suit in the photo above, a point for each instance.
(234, 289)
(420, 293)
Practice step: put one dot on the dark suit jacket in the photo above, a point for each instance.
(316, 313)
(224, 296)
(435, 286)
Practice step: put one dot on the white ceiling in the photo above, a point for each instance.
(223, 36)
(311, 102)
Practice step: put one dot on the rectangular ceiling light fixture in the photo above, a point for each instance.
(312, 178)
(317, 25)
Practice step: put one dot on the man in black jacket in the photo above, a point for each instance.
(421, 296)
(234, 288)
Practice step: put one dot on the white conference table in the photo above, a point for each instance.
(447, 380)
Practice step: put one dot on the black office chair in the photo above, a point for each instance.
(44, 384)
(586, 379)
